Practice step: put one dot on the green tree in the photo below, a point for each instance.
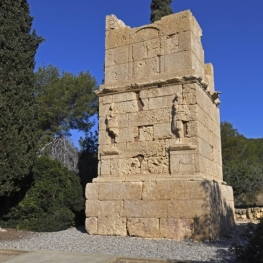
(18, 108)
(66, 101)
(160, 8)
(88, 158)
(54, 201)
(242, 164)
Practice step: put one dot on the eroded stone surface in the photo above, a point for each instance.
(160, 164)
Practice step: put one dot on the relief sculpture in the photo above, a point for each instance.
(181, 115)
(112, 124)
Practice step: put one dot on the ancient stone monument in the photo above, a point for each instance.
(160, 168)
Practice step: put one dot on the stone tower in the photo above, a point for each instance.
(160, 165)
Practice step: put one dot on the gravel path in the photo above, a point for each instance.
(77, 240)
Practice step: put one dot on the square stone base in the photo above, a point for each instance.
(167, 208)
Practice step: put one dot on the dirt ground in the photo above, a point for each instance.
(13, 234)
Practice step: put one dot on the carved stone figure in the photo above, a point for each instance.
(112, 123)
(181, 116)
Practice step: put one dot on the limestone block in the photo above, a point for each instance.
(120, 191)
(196, 29)
(216, 116)
(170, 44)
(160, 92)
(189, 98)
(204, 102)
(129, 166)
(153, 48)
(174, 190)
(146, 133)
(112, 225)
(145, 209)
(163, 131)
(117, 38)
(112, 22)
(216, 129)
(188, 209)
(127, 134)
(216, 142)
(145, 102)
(182, 162)
(102, 123)
(209, 72)
(91, 225)
(126, 106)
(143, 227)
(115, 167)
(107, 99)
(123, 120)
(95, 208)
(127, 96)
(104, 138)
(211, 167)
(91, 191)
(117, 73)
(185, 41)
(176, 229)
(178, 61)
(104, 167)
(193, 112)
(180, 21)
(116, 56)
(200, 164)
(198, 67)
(192, 129)
(217, 157)
(104, 110)
(143, 34)
(150, 117)
(146, 148)
(146, 68)
(205, 149)
(156, 165)
(139, 51)
(227, 192)
(161, 102)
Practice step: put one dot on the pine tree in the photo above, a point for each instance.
(159, 9)
(18, 108)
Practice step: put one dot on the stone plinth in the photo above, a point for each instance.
(160, 165)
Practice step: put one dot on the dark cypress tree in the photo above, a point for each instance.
(18, 108)
(159, 9)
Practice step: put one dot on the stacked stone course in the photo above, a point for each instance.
(160, 167)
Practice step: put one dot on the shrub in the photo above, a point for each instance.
(54, 202)
(251, 248)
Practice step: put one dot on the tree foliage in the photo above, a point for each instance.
(54, 201)
(250, 249)
(18, 108)
(88, 158)
(160, 8)
(242, 164)
(66, 101)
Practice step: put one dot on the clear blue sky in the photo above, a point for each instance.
(232, 39)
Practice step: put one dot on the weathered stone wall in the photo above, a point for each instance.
(249, 213)
(171, 209)
(160, 167)
(137, 135)
(169, 47)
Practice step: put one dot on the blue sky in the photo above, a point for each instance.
(232, 39)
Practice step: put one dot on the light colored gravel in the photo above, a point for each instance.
(77, 240)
